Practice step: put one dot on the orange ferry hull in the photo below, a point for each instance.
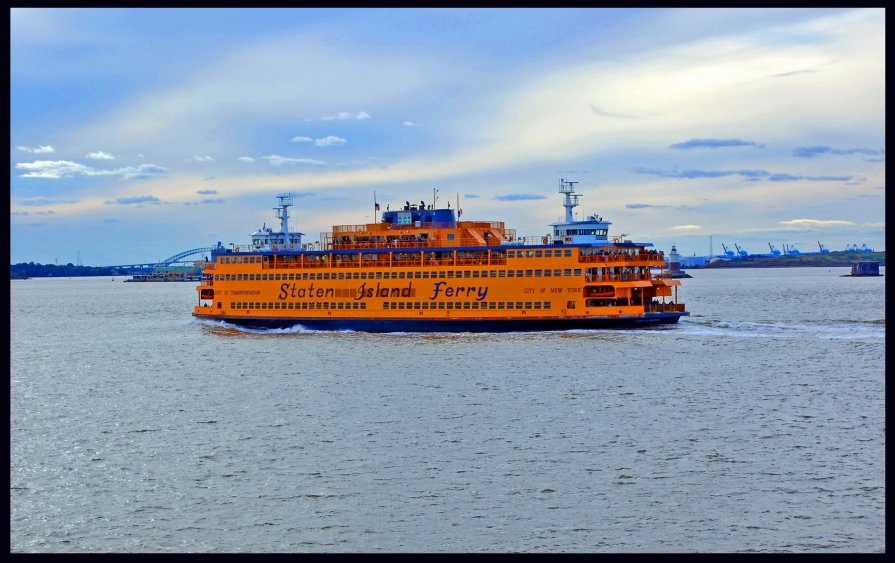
(458, 325)
(422, 270)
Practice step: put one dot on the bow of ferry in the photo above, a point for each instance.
(421, 269)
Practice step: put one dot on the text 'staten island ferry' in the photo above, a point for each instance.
(421, 269)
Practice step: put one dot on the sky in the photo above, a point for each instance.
(136, 134)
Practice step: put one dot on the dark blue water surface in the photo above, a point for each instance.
(757, 424)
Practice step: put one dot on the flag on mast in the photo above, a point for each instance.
(375, 203)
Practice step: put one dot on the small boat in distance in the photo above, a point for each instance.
(864, 268)
(422, 269)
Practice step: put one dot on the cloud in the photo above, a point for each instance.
(343, 115)
(471, 196)
(811, 152)
(749, 174)
(816, 223)
(134, 200)
(141, 172)
(519, 197)
(42, 201)
(330, 140)
(36, 150)
(410, 124)
(645, 206)
(603, 113)
(207, 192)
(686, 228)
(100, 155)
(213, 200)
(714, 144)
(246, 159)
(321, 142)
(203, 158)
(52, 169)
(792, 178)
(278, 160)
(55, 169)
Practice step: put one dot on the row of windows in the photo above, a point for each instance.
(540, 253)
(424, 305)
(599, 232)
(298, 305)
(548, 253)
(449, 274)
(467, 305)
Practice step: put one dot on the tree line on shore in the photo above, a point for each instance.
(24, 270)
(830, 259)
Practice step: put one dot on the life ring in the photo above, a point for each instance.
(568, 239)
(546, 240)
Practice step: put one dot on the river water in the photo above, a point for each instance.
(755, 425)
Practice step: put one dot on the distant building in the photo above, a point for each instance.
(693, 261)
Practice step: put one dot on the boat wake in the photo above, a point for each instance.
(224, 328)
(700, 327)
(832, 329)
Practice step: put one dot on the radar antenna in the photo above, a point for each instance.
(567, 188)
(283, 212)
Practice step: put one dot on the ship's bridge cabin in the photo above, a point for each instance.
(593, 230)
(266, 239)
(413, 215)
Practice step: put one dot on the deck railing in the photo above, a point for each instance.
(622, 257)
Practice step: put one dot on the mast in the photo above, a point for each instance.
(283, 213)
(571, 198)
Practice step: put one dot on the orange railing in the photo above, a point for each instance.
(628, 276)
(622, 257)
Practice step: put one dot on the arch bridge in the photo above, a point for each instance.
(177, 258)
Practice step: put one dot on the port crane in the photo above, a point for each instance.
(740, 251)
(727, 252)
(774, 251)
(822, 249)
(790, 250)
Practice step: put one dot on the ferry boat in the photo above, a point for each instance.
(422, 269)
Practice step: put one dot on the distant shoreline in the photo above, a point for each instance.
(828, 260)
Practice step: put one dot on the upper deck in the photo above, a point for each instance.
(417, 227)
(424, 227)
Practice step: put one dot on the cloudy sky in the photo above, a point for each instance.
(136, 134)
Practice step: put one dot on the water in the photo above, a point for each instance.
(756, 425)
